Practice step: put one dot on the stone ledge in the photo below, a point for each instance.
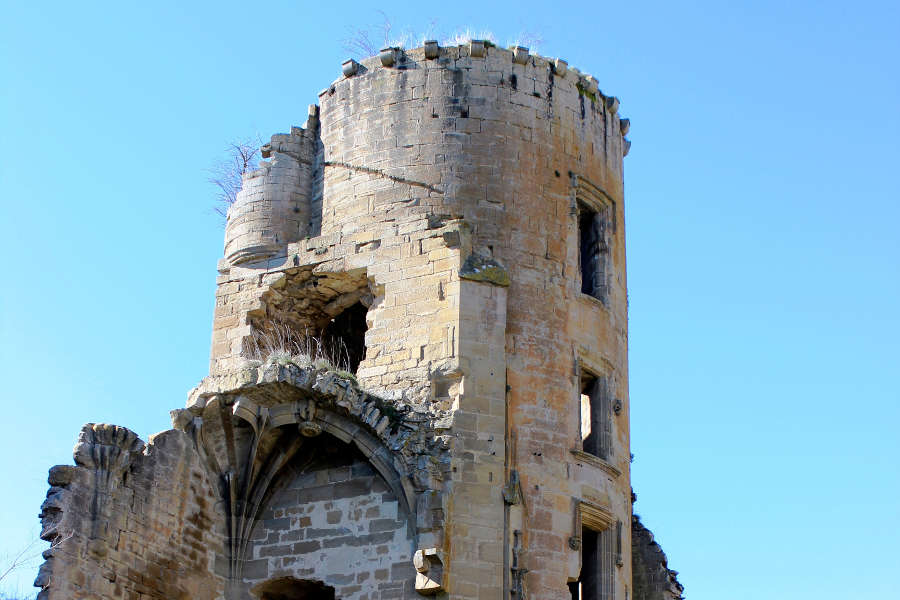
(588, 299)
(596, 461)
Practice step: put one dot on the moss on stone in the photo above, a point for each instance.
(483, 268)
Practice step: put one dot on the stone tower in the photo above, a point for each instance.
(418, 380)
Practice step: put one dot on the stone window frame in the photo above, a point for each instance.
(593, 516)
(584, 363)
(588, 196)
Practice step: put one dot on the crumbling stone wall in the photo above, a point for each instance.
(130, 521)
(440, 189)
(653, 579)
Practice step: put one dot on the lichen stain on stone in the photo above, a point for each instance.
(483, 268)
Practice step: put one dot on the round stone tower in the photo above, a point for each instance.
(470, 200)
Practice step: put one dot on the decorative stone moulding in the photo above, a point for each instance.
(350, 68)
(106, 450)
(477, 48)
(560, 67)
(612, 104)
(432, 50)
(248, 425)
(429, 571)
(624, 125)
(589, 84)
(388, 56)
(593, 516)
(520, 54)
(626, 147)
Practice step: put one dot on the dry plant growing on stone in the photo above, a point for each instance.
(362, 42)
(27, 558)
(464, 36)
(527, 39)
(281, 344)
(227, 175)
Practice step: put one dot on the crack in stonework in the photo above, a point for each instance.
(295, 156)
(380, 173)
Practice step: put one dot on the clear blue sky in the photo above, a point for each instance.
(762, 208)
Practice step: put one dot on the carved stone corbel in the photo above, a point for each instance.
(429, 571)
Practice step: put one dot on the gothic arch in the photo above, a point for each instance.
(249, 427)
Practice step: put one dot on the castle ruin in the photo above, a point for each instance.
(447, 228)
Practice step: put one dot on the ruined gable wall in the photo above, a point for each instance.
(130, 522)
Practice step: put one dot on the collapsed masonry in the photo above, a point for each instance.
(418, 378)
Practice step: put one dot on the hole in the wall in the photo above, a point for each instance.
(441, 388)
(344, 337)
(313, 319)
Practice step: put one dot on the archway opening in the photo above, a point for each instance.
(290, 588)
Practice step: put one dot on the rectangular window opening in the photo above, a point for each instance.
(593, 251)
(596, 417)
(595, 581)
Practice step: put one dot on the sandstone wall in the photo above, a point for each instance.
(451, 189)
(653, 580)
(130, 522)
(335, 521)
(442, 189)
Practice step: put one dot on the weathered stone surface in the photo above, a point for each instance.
(653, 579)
(482, 268)
(451, 460)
